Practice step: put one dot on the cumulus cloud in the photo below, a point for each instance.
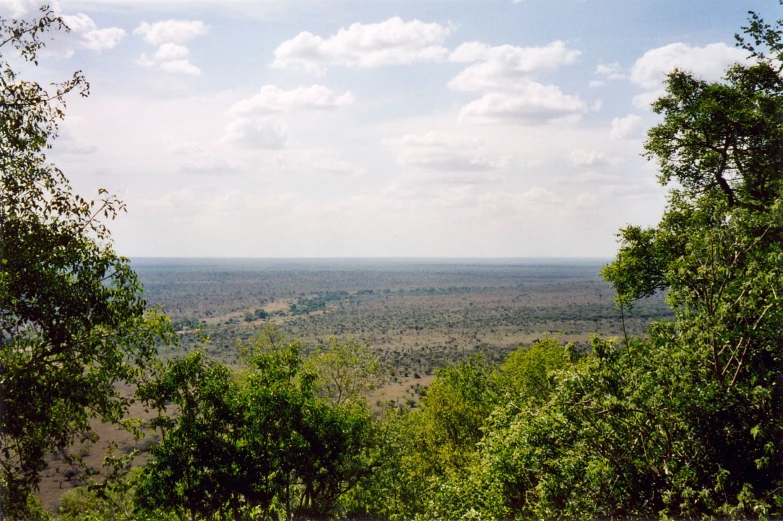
(592, 158)
(272, 99)
(625, 127)
(708, 62)
(645, 99)
(168, 36)
(264, 135)
(171, 31)
(531, 104)
(318, 160)
(391, 42)
(592, 177)
(538, 194)
(85, 33)
(442, 153)
(171, 51)
(89, 36)
(505, 66)
(504, 74)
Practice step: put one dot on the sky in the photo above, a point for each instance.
(370, 128)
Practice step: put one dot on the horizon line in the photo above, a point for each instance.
(368, 258)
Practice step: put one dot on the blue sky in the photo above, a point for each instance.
(429, 128)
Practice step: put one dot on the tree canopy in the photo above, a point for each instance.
(72, 321)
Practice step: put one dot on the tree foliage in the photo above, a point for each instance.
(260, 442)
(72, 322)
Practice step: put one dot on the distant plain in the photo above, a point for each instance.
(418, 314)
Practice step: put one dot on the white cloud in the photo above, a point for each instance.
(318, 160)
(180, 66)
(592, 158)
(708, 62)
(532, 104)
(625, 127)
(504, 74)
(602, 195)
(611, 71)
(272, 99)
(67, 143)
(442, 153)
(89, 36)
(593, 177)
(391, 42)
(256, 122)
(169, 35)
(538, 194)
(171, 31)
(506, 66)
(263, 134)
(469, 52)
(171, 51)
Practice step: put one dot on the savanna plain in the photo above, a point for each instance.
(416, 315)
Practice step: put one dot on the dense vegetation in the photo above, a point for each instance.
(685, 422)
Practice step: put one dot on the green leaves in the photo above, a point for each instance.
(251, 443)
(72, 322)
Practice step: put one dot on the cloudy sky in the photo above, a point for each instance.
(369, 128)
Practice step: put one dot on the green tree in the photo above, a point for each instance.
(347, 370)
(255, 443)
(489, 486)
(424, 448)
(718, 252)
(453, 412)
(527, 372)
(72, 322)
(111, 501)
(193, 471)
(398, 484)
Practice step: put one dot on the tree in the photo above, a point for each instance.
(72, 322)
(527, 372)
(453, 412)
(347, 371)
(718, 252)
(259, 442)
(423, 448)
(194, 472)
